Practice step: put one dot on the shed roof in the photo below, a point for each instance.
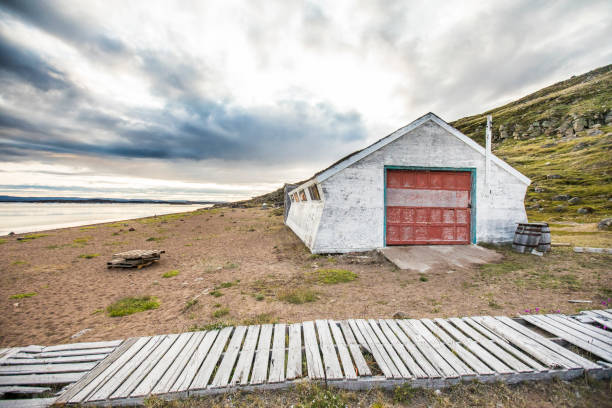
(360, 154)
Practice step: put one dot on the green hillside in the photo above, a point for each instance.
(561, 138)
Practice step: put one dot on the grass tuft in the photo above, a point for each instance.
(88, 256)
(333, 276)
(170, 274)
(224, 311)
(22, 295)
(131, 305)
(298, 296)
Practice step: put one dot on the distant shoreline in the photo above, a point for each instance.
(79, 200)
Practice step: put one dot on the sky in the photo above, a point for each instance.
(224, 100)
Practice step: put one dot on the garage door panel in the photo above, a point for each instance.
(407, 233)
(428, 207)
(463, 216)
(407, 215)
(422, 215)
(448, 234)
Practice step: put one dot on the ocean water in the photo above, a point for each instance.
(32, 217)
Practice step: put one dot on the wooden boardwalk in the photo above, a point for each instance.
(355, 354)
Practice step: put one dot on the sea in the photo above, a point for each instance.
(32, 217)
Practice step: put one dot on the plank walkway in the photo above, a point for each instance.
(354, 354)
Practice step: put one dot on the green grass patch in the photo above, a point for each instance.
(224, 311)
(226, 285)
(171, 273)
(31, 237)
(216, 293)
(81, 240)
(131, 305)
(155, 239)
(19, 262)
(87, 228)
(298, 296)
(3, 241)
(22, 295)
(423, 278)
(333, 276)
(89, 256)
(497, 269)
(259, 297)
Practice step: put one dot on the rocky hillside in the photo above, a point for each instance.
(561, 138)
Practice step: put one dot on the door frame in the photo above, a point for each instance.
(472, 171)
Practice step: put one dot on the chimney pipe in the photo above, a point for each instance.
(488, 151)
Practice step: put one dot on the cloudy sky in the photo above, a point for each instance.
(228, 99)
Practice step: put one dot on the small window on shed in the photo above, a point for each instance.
(314, 192)
(303, 195)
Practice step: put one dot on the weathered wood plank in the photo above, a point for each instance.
(508, 359)
(16, 389)
(401, 351)
(378, 351)
(294, 354)
(573, 360)
(592, 345)
(40, 379)
(414, 352)
(82, 346)
(360, 364)
(115, 381)
(224, 371)
(46, 368)
(277, 363)
(428, 351)
(458, 366)
(144, 368)
(111, 364)
(178, 365)
(210, 363)
(186, 377)
(395, 358)
(68, 353)
(162, 366)
(587, 329)
(27, 403)
(470, 359)
(330, 359)
(262, 355)
(56, 360)
(598, 319)
(526, 342)
(343, 352)
(311, 349)
(243, 368)
(505, 345)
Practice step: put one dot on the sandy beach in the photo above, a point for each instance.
(251, 260)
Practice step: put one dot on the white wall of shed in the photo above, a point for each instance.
(353, 215)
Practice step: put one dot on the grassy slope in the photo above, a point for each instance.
(583, 162)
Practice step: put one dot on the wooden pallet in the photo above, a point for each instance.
(138, 258)
(32, 370)
(423, 353)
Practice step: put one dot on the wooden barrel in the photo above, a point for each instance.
(527, 237)
(544, 245)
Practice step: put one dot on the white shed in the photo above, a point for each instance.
(423, 184)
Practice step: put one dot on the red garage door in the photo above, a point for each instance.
(428, 207)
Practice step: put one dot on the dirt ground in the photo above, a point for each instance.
(252, 262)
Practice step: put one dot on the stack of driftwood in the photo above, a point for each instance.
(137, 258)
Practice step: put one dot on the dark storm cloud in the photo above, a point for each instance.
(26, 66)
(47, 16)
